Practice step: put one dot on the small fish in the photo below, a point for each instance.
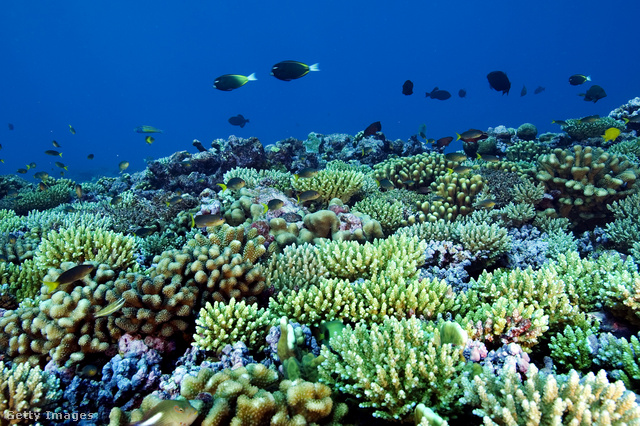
(32, 165)
(632, 119)
(308, 196)
(72, 130)
(43, 186)
(174, 200)
(589, 119)
(238, 120)
(230, 82)
(143, 232)
(28, 167)
(422, 131)
(207, 220)
(169, 412)
(90, 157)
(595, 93)
(275, 204)
(488, 158)
(10, 126)
(407, 88)
(61, 165)
(459, 170)
(611, 134)
(69, 277)
(455, 156)
(462, 93)
(409, 182)
(441, 95)
(499, 81)
(291, 70)
(149, 139)
(560, 122)
(12, 238)
(123, 166)
(372, 129)
(110, 308)
(68, 209)
(88, 371)
(79, 191)
(443, 142)
(53, 153)
(22, 171)
(578, 79)
(366, 151)
(470, 135)
(186, 162)
(307, 172)
(539, 90)
(146, 129)
(523, 91)
(56, 144)
(116, 200)
(487, 204)
(437, 198)
(234, 184)
(385, 184)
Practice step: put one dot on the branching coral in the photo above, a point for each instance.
(331, 183)
(26, 390)
(421, 169)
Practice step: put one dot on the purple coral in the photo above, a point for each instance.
(447, 261)
(528, 248)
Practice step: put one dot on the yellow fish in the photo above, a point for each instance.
(110, 308)
(611, 134)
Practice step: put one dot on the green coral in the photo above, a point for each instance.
(331, 183)
(621, 358)
(625, 228)
(42, 200)
(580, 130)
(26, 389)
(570, 349)
(385, 210)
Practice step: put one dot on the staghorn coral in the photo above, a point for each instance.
(297, 267)
(572, 349)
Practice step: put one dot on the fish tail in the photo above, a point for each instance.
(588, 78)
(626, 120)
(314, 67)
(449, 170)
(459, 137)
(478, 156)
(223, 186)
(193, 220)
(266, 208)
(252, 77)
(51, 285)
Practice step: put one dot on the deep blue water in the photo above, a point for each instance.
(107, 67)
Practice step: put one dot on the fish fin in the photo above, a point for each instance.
(297, 176)
(298, 199)
(378, 182)
(193, 220)
(588, 78)
(478, 156)
(223, 186)
(449, 170)
(51, 286)
(266, 208)
(626, 120)
(242, 125)
(168, 204)
(459, 137)
(252, 77)
(314, 67)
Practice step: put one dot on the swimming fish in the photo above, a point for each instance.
(68, 277)
(32, 165)
(170, 412)
(207, 220)
(233, 183)
(123, 166)
(488, 158)
(275, 204)
(56, 144)
(632, 119)
(308, 196)
(87, 371)
(595, 93)
(487, 204)
(110, 308)
(407, 88)
(578, 79)
(230, 82)
(307, 172)
(385, 184)
(90, 157)
(291, 70)
(146, 129)
(589, 119)
(43, 186)
(422, 131)
(72, 130)
(372, 129)
(53, 152)
(174, 200)
(22, 171)
(61, 165)
(10, 126)
(116, 200)
(238, 120)
(79, 190)
(560, 122)
(499, 81)
(455, 156)
(41, 175)
(611, 134)
(460, 170)
(149, 139)
(539, 90)
(442, 142)
(523, 91)
(462, 93)
(470, 135)
(439, 94)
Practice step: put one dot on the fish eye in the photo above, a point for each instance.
(178, 408)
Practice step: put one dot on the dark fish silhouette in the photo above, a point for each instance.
(523, 91)
(372, 129)
(499, 81)
(462, 93)
(442, 142)
(436, 93)
(230, 82)
(578, 79)
(538, 90)
(10, 126)
(291, 70)
(594, 94)
(238, 120)
(407, 88)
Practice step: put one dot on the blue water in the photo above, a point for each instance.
(107, 67)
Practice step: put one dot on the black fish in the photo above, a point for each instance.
(523, 91)
(372, 129)
(538, 90)
(438, 94)
(238, 120)
(594, 93)
(407, 88)
(291, 70)
(199, 146)
(499, 81)
(462, 93)
(578, 79)
(10, 126)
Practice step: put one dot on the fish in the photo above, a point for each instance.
(488, 158)
(72, 130)
(539, 90)
(146, 129)
(110, 308)
(439, 94)
(10, 126)
(372, 129)
(611, 134)
(487, 204)
(470, 135)
(174, 200)
(560, 122)
(143, 232)
(69, 277)
(589, 119)
(42, 186)
(275, 204)
(68, 209)
(407, 88)
(578, 79)
(238, 120)
(307, 172)
(632, 119)
(437, 198)
(366, 151)
(499, 81)
(595, 93)
(78, 189)
(422, 131)
(385, 184)
(87, 371)
(12, 238)
(291, 70)
(308, 196)
(22, 171)
(207, 220)
(233, 183)
(90, 157)
(442, 142)
(53, 153)
(41, 175)
(61, 165)
(455, 156)
(123, 166)
(462, 93)
(229, 82)
(170, 412)
(116, 200)
(460, 170)
(32, 165)
(149, 139)
(523, 91)
(409, 182)
(56, 144)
